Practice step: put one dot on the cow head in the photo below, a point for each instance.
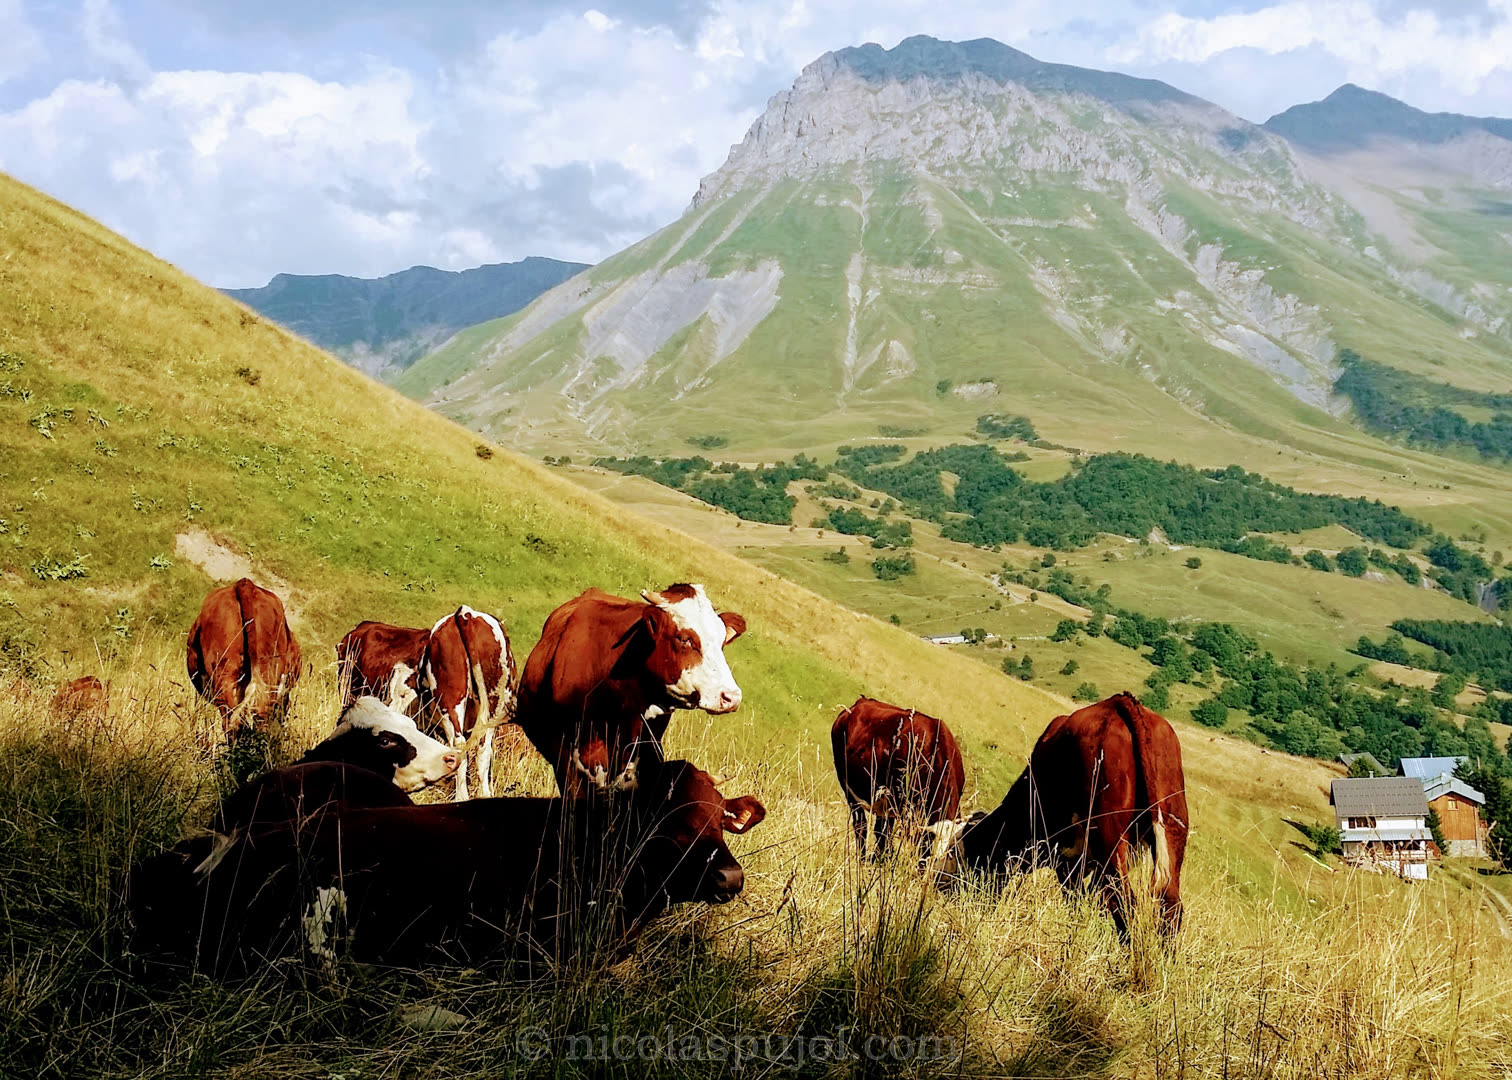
(688, 638)
(379, 737)
(684, 856)
(940, 851)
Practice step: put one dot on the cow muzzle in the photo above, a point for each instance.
(726, 884)
(725, 701)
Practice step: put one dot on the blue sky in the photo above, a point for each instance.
(330, 136)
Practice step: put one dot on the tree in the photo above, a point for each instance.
(1086, 692)
(1318, 561)
(1026, 668)
(1482, 775)
(1449, 685)
(1352, 561)
(839, 555)
(1047, 559)
(1210, 713)
(1069, 668)
(1065, 630)
(1436, 827)
(1194, 562)
(895, 620)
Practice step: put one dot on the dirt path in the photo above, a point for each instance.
(222, 563)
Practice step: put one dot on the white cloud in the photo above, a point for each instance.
(1371, 46)
(21, 46)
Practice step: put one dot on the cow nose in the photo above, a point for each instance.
(728, 881)
(450, 760)
(728, 700)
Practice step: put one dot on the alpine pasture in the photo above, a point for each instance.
(152, 427)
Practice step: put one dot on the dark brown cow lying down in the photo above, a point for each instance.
(601, 684)
(897, 763)
(241, 651)
(1101, 784)
(450, 883)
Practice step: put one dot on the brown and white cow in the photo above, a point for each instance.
(383, 661)
(451, 883)
(467, 682)
(600, 686)
(1102, 784)
(898, 763)
(242, 653)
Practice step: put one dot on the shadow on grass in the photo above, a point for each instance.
(1073, 1038)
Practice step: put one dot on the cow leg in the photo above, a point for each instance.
(485, 765)
(1112, 879)
(454, 738)
(858, 825)
(882, 826)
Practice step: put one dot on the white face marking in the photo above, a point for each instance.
(708, 685)
(428, 764)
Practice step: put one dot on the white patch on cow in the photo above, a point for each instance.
(708, 685)
(428, 764)
(319, 934)
(652, 712)
(401, 694)
(943, 858)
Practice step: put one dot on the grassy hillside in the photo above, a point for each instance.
(140, 407)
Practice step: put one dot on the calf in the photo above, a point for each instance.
(897, 763)
(450, 883)
(600, 686)
(1101, 784)
(382, 661)
(242, 653)
(86, 696)
(467, 682)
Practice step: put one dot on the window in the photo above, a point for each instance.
(1362, 823)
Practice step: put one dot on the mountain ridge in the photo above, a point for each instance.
(1351, 116)
(382, 325)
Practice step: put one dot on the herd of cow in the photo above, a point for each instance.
(331, 855)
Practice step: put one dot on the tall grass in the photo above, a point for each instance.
(824, 967)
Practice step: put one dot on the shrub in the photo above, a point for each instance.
(892, 567)
(483, 450)
(1194, 562)
(839, 556)
(1325, 839)
(1086, 692)
(1352, 561)
(707, 442)
(1318, 561)
(1066, 630)
(1069, 668)
(1210, 713)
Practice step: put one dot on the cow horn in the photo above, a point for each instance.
(651, 596)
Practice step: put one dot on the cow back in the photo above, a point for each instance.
(381, 660)
(910, 755)
(298, 792)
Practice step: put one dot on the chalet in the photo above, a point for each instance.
(945, 639)
(1383, 824)
(1459, 806)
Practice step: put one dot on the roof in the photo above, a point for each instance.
(1425, 768)
(1381, 796)
(1444, 783)
(1349, 759)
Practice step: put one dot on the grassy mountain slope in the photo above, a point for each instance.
(139, 406)
(1114, 276)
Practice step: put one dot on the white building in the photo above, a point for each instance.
(1383, 823)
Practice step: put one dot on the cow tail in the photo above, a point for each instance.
(837, 745)
(246, 598)
(1150, 826)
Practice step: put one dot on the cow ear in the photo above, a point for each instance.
(734, 625)
(743, 814)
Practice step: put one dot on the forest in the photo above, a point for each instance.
(1123, 494)
(1482, 651)
(1399, 404)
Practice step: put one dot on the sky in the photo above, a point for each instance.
(239, 140)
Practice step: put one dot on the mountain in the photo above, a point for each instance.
(1352, 117)
(909, 238)
(382, 325)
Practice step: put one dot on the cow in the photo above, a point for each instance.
(600, 686)
(467, 683)
(382, 661)
(242, 654)
(86, 696)
(459, 883)
(382, 749)
(899, 764)
(1101, 784)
